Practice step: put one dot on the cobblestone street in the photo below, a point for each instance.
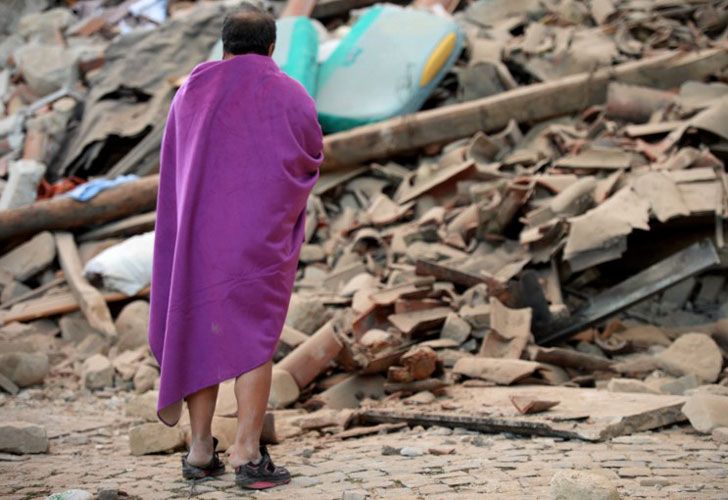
(672, 463)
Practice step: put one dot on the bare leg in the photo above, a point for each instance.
(251, 390)
(201, 406)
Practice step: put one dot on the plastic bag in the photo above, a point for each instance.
(126, 267)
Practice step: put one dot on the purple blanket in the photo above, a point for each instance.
(240, 155)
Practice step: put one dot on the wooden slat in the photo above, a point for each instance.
(90, 300)
(53, 305)
(127, 227)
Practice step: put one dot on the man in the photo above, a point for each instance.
(240, 155)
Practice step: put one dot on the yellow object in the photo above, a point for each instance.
(438, 58)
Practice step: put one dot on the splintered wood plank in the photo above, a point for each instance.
(34, 293)
(587, 414)
(55, 304)
(368, 431)
(126, 227)
(90, 300)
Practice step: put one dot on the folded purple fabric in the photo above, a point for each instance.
(240, 155)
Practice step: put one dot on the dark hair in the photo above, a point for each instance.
(248, 30)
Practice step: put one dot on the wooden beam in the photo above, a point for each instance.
(528, 104)
(90, 300)
(66, 213)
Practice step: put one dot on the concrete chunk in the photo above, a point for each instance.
(695, 353)
(23, 437)
(98, 372)
(47, 68)
(22, 186)
(306, 313)
(143, 406)
(706, 412)
(630, 385)
(455, 328)
(582, 485)
(75, 327)
(144, 378)
(132, 325)
(720, 435)
(52, 20)
(284, 389)
(154, 438)
(680, 385)
(24, 368)
(31, 257)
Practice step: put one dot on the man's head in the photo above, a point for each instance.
(248, 30)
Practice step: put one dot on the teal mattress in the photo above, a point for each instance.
(387, 65)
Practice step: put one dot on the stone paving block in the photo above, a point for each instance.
(433, 489)
(634, 472)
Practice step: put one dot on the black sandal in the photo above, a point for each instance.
(262, 475)
(214, 467)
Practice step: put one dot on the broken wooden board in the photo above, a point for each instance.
(127, 227)
(587, 414)
(52, 305)
(368, 431)
(90, 300)
(34, 293)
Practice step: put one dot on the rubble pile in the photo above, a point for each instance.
(549, 232)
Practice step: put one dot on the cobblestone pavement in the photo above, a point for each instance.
(89, 450)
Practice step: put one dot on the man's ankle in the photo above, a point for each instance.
(243, 454)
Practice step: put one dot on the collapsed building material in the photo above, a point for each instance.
(587, 414)
(67, 213)
(130, 226)
(572, 359)
(500, 371)
(510, 331)
(52, 305)
(528, 405)
(29, 258)
(692, 260)
(90, 300)
(349, 393)
(526, 104)
(311, 358)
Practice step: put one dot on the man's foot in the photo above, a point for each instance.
(214, 467)
(262, 475)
